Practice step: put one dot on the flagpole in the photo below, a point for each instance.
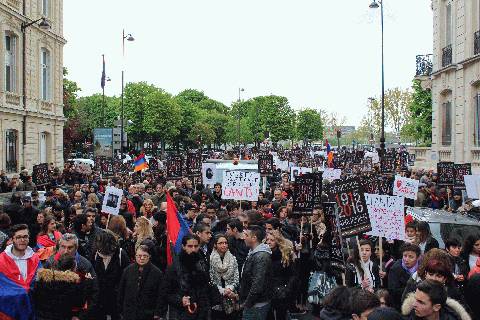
(103, 92)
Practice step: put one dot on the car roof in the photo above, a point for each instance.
(441, 216)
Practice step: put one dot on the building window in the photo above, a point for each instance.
(477, 119)
(446, 123)
(448, 25)
(45, 7)
(43, 147)
(10, 62)
(11, 150)
(45, 75)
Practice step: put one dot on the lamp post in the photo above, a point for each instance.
(375, 5)
(127, 37)
(240, 90)
(44, 25)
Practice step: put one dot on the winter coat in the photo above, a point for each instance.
(282, 277)
(328, 314)
(139, 295)
(430, 243)
(188, 276)
(452, 291)
(255, 283)
(239, 249)
(109, 280)
(397, 281)
(452, 310)
(56, 293)
(472, 292)
(351, 277)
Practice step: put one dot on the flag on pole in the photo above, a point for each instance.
(177, 228)
(102, 83)
(140, 163)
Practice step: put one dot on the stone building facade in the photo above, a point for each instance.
(31, 132)
(455, 82)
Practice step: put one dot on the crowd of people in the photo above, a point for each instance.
(256, 260)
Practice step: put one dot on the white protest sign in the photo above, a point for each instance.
(112, 200)
(209, 173)
(374, 155)
(405, 187)
(386, 216)
(331, 174)
(84, 168)
(296, 171)
(472, 184)
(240, 185)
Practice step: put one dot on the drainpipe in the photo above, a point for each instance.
(24, 89)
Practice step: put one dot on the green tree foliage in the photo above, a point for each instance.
(204, 131)
(72, 136)
(419, 126)
(95, 113)
(309, 125)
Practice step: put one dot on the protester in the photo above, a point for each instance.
(425, 240)
(362, 271)
(363, 303)
(236, 241)
(471, 250)
(337, 305)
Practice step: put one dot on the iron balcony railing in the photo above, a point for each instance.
(447, 56)
(476, 43)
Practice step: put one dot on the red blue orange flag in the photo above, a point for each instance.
(177, 228)
(140, 163)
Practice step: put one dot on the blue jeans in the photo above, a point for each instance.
(256, 313)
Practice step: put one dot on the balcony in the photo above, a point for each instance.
(424, 65)
(447, 56)
(476, 43)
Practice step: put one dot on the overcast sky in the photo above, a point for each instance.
(317, 53)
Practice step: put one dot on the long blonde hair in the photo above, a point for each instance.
(144, 230)
(285, 246)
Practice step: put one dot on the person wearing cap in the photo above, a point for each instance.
(191, 212)
(455, 202)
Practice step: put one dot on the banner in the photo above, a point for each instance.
(459, 171)
(332, 236)
(445, 173)
(40, 174)
(353, 212)
(209, 173)
(265, 164)
(240, 185)
(194, 164)
(405, 187)
(332, 174)
(296, 171)
(103, 142)
(112, 200)
(386, 215)
(174, 166)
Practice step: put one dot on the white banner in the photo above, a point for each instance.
(240, 185)
(405, 187)
(472, 184)
(331, 174)
(112, 200)
(386, 216)
(209, 173)
(296, 171)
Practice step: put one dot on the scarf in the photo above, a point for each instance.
(411, 270)
(367, 273)
(223, 269)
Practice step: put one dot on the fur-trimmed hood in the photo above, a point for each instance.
(49, 275)
(453, 307)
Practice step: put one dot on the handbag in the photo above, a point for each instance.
(319, 285)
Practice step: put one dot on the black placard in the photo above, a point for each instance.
(367, 165)
(353, 212)
(370, 183)
(304, 194)
(153, 165)
(40, 174)
(403, 161)
(446, 174)
(460, 170)
(265, 164)
(385, 185)
(332, 236)
(387, 164)
(107, 167)
(317, 201)
(411, 159)
(174, 167)
(194, 164)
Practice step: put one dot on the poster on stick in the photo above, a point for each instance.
(332, 174)
(459, 171)
(112, 200)
(304, 194)
(265, 164)
(472, 185)
(174, 167)
(40, 174)
(209, 173)
(353, 213)
(332, 235)
(405, 187)
(386, 215)
(240, 185)
(445, 173)
(297, 171)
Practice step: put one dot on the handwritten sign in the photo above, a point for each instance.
(459, 171)
(405, 187)
(265, 164)
(353, 212)
(174, 166)
(240, 185)
(194, 163)
(40, 174)
(83, 168)
(386, 215)
(446, 174)
(332, 237)
(332, 174)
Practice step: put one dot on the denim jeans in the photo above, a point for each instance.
(256, 313)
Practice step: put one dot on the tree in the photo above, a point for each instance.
(419, 125)
(396, 108)
(335, 121)
(190, 114)
(309, 125)
(94, 113)
(217, 122)
(204, 131)
(72, 135)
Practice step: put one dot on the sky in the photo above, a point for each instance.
(319, 54)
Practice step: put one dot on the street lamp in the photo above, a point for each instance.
(375, 5)
(127, 37)
(240, 90)
(43, 25)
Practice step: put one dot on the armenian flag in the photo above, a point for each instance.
(177, 228)
(15, 300)
(140, 163)
(329, 154)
